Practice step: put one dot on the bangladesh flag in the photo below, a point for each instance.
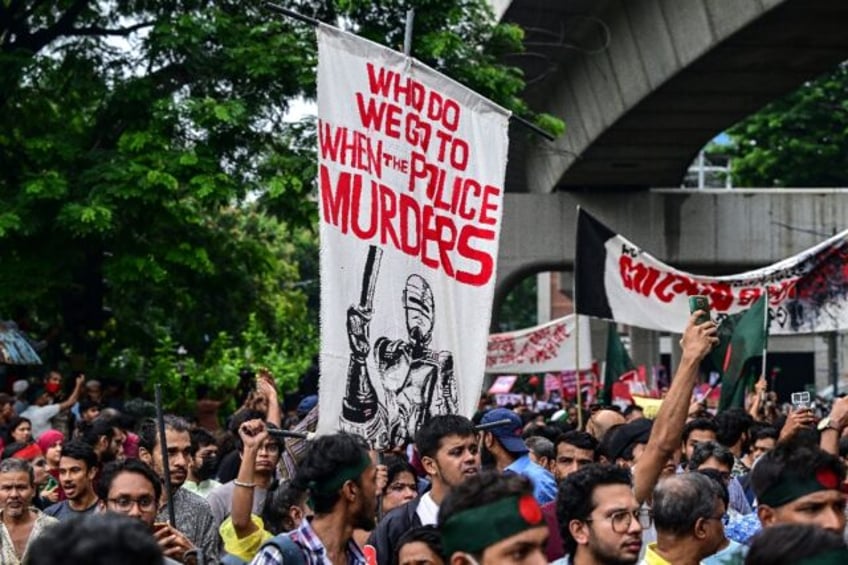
(742, 336)
(618, 361)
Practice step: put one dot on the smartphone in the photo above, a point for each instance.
(700, 302)
(801, 400)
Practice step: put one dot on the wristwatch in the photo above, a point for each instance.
(824, 424)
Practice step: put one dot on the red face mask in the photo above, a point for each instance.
(52, 387)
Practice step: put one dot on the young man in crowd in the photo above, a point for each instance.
(800, 484)
(503, 447)
(134, 489)
(447, 446)
(193, 515)
(20, 523)
(342, 483)
(201, 473)
(601, 521)
(105, 437)
(574, 450)
(492, 519)
(688, 513)
(42, 409)
(696, 431)
(221, 498)
(733, 425)
(78, 467)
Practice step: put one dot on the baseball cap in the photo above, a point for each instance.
(508, 434)
(307, 404)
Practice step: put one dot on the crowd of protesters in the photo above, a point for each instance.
(84, 480)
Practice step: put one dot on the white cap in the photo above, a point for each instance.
(20, 386)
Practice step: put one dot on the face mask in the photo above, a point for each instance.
(208, 468)
(52, 387)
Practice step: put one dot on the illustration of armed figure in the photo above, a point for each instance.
(415, 382)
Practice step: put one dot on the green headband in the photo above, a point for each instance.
(832, 557)
(793, 487)
(475, 529)
(334, 482)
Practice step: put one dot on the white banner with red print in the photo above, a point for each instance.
(550, 347)
(411, 171)
(617, 280)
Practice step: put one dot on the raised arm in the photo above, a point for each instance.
(266, 386)
(252, 434)
(696, 343)
(66, 405)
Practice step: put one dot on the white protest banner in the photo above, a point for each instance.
(550, 347)
(616, 280)
(411, 172)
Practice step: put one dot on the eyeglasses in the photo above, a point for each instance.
(400, 487)
(724, 518)
(125, 503)
(621, 520)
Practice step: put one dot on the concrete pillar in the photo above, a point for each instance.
(644, 347)
(543, 297)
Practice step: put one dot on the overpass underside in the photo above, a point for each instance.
(643, 85)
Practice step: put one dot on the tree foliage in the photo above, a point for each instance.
(147, 167)
(800, 140)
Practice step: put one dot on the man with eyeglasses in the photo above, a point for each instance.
(267, 457)
(132, 488)
(601, 521)
(689, 514)
(492, 519)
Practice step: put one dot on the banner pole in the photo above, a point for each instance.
(577, 362)
(315, 23)
(765, 332)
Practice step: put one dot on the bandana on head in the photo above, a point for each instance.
(475, 529)
(793, 487)
(333, 483)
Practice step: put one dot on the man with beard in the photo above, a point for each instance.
(105, 438)
(267, 457)
(77, 469)
(447, 446)
(503, 448)
(204, 463)
(342, 483)
(133, 489)
(493, 519)
(192, 514)
(20, 524)
(601, 521)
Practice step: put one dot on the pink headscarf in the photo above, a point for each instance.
(49, 438)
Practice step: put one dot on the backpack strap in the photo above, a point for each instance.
(285, 545)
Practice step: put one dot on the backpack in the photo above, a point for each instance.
(283, 543)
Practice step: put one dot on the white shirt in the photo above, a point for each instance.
(428, 510)
(40, 417)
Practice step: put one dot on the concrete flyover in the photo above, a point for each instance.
(644, 84)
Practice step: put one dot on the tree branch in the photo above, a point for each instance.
(121, 31)
(35, 42)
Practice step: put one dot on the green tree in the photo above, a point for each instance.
(152, 193)
(800, 140)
